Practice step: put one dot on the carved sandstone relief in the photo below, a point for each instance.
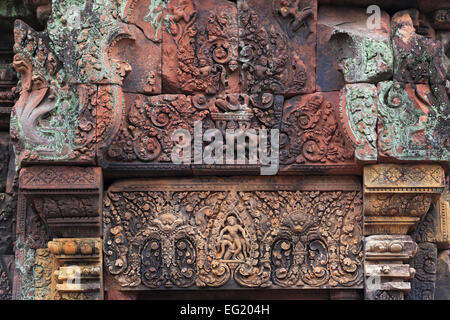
(311, 135)
(396, 197)
(277, 46)
(234, 232)
(358, 110)
(200, 47)
(412, 125)
(6, 276)
(71, 81)
(350, 52)
(65, 197)
(386, 266)
(424, 282)
(146, 140)
(69, 269)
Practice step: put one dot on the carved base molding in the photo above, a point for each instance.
(228, 233)
(70, 269)
(386, 266)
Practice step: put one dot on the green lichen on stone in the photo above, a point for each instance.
(361, 112)
(372, 61)
(24, 266)
(45, 123)
(405, 131)
(155, 16)
(11, 9)
(81, 32)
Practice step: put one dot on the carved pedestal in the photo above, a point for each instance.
(387, 267)
(70, 269)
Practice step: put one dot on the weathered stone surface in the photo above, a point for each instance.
(8, 78)
(6, 276)
(312, 138)
(412, 122)
(144, 143)
(277, 46)
(31, 234)
(67, 198)
(51, 120)
(346, 45)
(8, 207)
(396, 197)
(386, 266)
(444, 37)
(358, 110)
(441, 19)
(140, 60)
(424, 281)
(416, 57)
(4, 159)
(200, 47)
(265, 233)
(443, 276)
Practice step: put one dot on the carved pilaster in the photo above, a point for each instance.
(387, 267)
(67, 198)
(70, 269)
(443, 232)
(424, 282)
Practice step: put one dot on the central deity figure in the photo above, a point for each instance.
(232, 241)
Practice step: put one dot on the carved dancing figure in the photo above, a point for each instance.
(232, 241)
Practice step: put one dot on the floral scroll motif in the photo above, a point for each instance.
(231, 239)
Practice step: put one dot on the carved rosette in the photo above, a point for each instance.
(196, 232)
(396, 197)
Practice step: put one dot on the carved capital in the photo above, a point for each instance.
(396, 197)
(70, 269)
(67, 198)
(387, 267)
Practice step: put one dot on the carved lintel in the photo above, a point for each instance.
(387, 267)
(70, 269)
(67, 198)
(234, 232)
(397, 197)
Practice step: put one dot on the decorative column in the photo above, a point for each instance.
(396, 198)
(68, 200)
(70, 269)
